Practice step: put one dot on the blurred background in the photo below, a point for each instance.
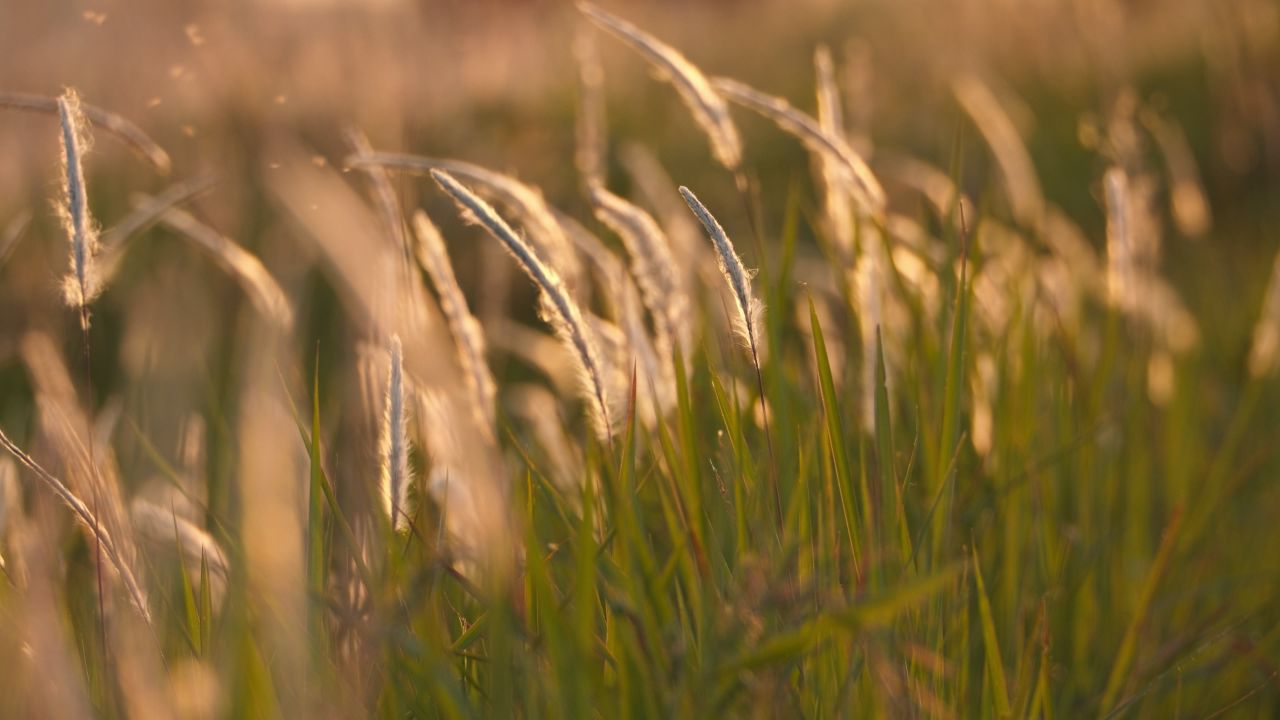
(261, 96)
(246, 89)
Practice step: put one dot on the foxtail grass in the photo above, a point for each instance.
(110, 122)
(394, 469)
(90, 521)
(81, 283)
(706, 106)
(854, 173)
(746, 321)
(835, 201)
(652, 265)
(560, 308)
(521, 200)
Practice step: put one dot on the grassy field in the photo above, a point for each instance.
(542, 360)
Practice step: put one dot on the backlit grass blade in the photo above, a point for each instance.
(990, 644)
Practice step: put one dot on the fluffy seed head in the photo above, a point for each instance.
(747, 320)
(557, 306)
(395, 449)
(652, 265)
(707, 107)
(80, 286)
(853, 172)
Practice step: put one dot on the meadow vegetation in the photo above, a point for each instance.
(683, 389)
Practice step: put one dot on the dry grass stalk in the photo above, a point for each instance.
(88, 520)
(468, 335)
(622, 298)
(558, 306)
(835, 201)
(392, 218)
(262, 289)
(658, 191)
(653, 267)
(88, 463)
(854, 174)
(707, 107)
(115, 124)
(746, 321)
(523, 201)
(146, 212)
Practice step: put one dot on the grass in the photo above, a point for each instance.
(996, 493)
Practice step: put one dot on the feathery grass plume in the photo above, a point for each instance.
(394, 442)
(88, 462)
(853, 171)
(747, 321)
(1186, 192)
(88, 520)
(523, 201)
(468, 335)
(561, 310)
(835, 201)
(707, 107)
(1016, 169)
(618, 357)
(81, 284)
(1132, 286)
(1264, 353)
(623, 301)
(589, 130)
(1121, 264)
(261, 288)
(12, 233)
(112, 123)
(652, 265)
